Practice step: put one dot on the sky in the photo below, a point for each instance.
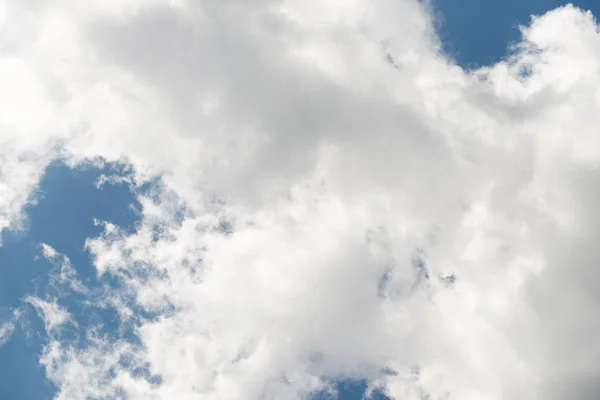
(307, 199)
(479, 33)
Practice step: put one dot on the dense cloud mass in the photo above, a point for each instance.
(330, 197)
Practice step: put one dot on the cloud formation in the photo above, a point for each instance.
(331, 197)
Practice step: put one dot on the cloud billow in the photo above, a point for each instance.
(330, 196)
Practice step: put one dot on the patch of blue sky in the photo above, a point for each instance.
(351, 389)
(477, 33)
(68, 201)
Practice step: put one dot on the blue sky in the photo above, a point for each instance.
(68, 201)
(474, 32)
(479, 32)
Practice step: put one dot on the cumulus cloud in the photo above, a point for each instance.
(331, 197)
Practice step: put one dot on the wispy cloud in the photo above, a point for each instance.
(6, 331)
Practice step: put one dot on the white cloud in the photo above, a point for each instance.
(6, 331)
(304, 175)
(49, 252)
(50, 312)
